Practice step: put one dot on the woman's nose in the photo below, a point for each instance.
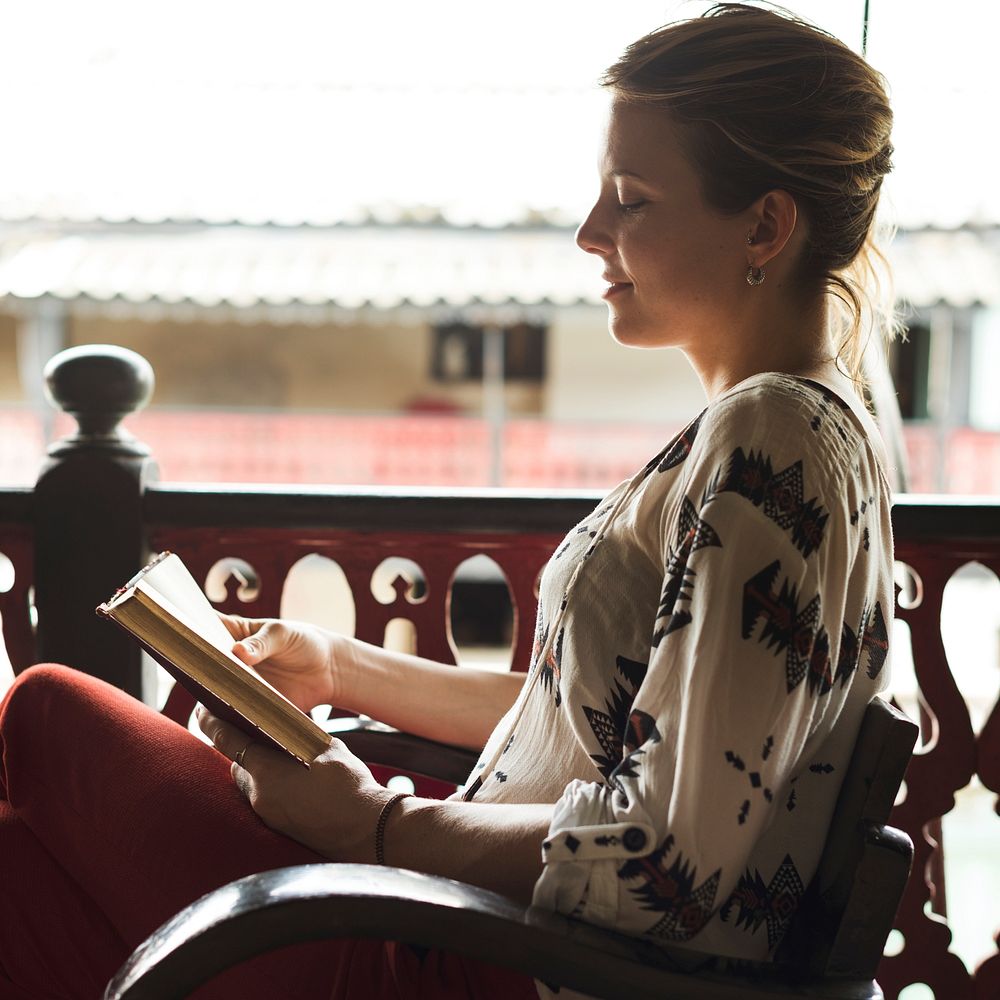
(591, 236)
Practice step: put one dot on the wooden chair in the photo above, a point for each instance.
(831, 951)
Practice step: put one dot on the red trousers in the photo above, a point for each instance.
(113, 818)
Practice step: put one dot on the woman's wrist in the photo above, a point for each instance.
(344, 669)
(497, 847)
(383, 817)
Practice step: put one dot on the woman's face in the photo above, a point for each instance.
(676, 266)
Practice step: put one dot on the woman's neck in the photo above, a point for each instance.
(767, 338)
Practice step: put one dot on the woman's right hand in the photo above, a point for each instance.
(304, 662)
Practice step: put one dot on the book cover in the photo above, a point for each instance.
(165, 609)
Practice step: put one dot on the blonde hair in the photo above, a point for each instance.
(766, 100)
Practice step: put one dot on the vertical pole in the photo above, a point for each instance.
(89, 532)
(494, 401)
(41, 334)
(939, 390)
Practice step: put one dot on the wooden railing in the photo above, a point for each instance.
(96, 513)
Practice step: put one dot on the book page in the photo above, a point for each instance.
(172, 580)
(179, 614)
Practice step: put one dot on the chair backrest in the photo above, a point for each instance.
(848, 910)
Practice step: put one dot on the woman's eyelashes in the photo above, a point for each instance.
(631, 207)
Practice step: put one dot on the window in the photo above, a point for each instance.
(457, 352)
(910, 364)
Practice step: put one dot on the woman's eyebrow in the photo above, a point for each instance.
(618, 172)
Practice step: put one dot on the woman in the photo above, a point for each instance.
(706, 640)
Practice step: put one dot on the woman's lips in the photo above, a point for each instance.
(616, 288)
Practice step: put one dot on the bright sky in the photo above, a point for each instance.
(310, 108)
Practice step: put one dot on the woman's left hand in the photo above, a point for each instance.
(332, 806)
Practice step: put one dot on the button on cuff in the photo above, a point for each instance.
(597, 843)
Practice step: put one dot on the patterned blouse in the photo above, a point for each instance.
(706, 643)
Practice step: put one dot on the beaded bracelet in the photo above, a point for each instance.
(383, 818)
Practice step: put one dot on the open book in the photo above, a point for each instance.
(165, 609)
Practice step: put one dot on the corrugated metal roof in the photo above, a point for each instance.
(959, 268)
(385, 267)
(352, 268)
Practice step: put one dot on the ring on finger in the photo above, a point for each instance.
(239, 757)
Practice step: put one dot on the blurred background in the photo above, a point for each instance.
(343, 236)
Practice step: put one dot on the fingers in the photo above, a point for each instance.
(252, 649)
(226, 738)
(257, 638)
(252, 763)
(240, 627)
(243, 781)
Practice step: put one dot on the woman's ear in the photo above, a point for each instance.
(774, 218)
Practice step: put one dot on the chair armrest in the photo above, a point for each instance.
(315, 902)
(376, 743)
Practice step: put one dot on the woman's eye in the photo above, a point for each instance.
(631, 207)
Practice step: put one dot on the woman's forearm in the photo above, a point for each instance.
(492, 845)
(438, 702)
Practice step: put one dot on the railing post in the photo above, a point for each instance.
(89, 532)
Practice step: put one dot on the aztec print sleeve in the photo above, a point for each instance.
(753, 655)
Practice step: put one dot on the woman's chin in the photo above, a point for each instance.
(636, 335)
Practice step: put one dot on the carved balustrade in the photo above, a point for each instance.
(80, 539)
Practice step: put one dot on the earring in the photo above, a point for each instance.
(755, 275)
